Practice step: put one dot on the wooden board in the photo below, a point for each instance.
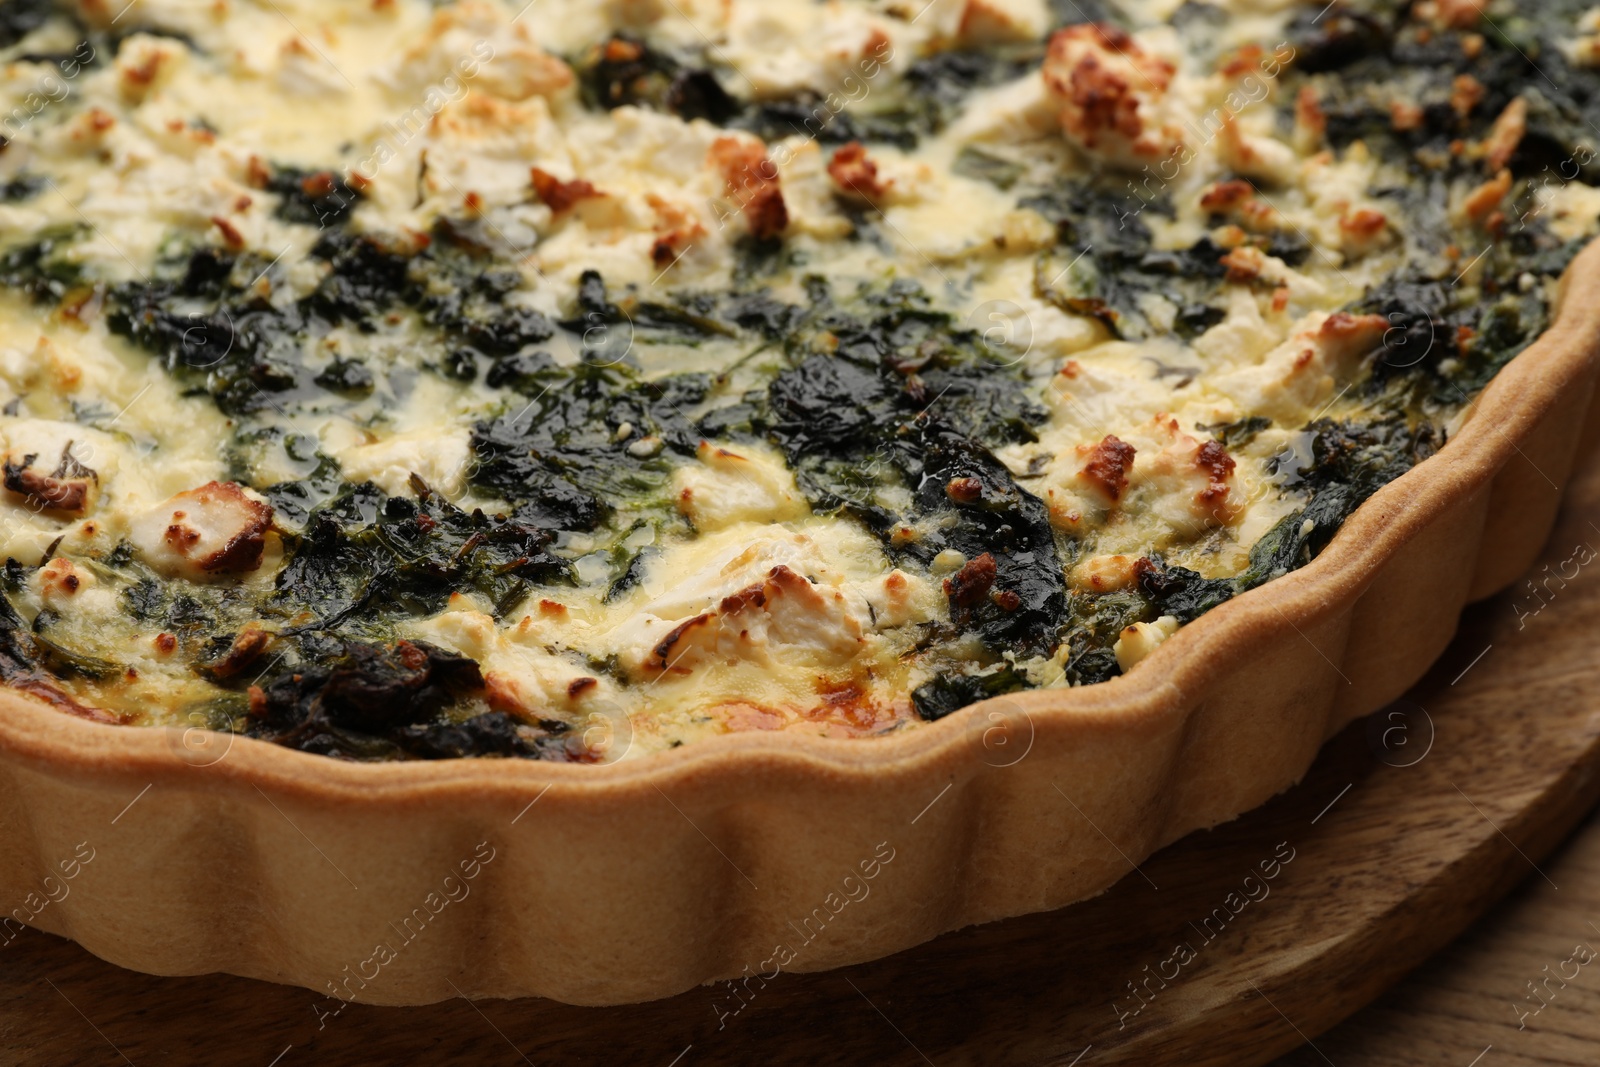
(1471, 1004)
(1409, 826)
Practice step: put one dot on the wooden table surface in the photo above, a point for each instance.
(1463, 1008)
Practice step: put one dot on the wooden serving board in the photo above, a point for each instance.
(1229, 947)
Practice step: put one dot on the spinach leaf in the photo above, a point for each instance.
(367, 559)
(359, 700)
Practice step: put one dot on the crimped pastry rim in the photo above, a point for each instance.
(1166, 683)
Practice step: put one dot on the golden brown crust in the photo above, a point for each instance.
(1505, 135)
(854, 172)
(1213, 459)
(752, 183)
(560, 196)
(969, 587)
(66, 490)
(1103, 79)
(242, 550)
(1108, 466)
(248, 645)
(665, 655)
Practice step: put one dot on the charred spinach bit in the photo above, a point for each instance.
(1446, 341)
(697, 94)
(1180, 592)
(1379, 55)
(213, 331)
(1016, 600)
(37, 269)
(1348, 463)
(317, 198)
(949, 693)
(623, 70)
(1107, 262)
(367, 687)
(19, 18)
(628, 70)
(22, 187)
(365, 281)
(886, 393)
(367, 559)
(608, 331)
(1237, 434)
(358, 700)
(493, 733)
(347, 376)
(758, 311)
(1339, 37)
(1420, 336)
(559, 458)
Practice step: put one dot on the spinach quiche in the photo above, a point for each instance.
(573, 379)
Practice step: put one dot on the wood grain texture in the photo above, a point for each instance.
(1389, 863)
(1467, 1001)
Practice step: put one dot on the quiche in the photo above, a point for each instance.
(578, 379)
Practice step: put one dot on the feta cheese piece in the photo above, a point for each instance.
(768, 594)
(441, 458)
(1139, 640)
(1113, 95)
(726, 487)
(55, 467)
(215, 529)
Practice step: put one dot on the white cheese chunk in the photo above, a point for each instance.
(736, 484)
(441, 458)
(768, 594)
(1142, 638)
(216, 529)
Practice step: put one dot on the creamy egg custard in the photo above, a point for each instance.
(581, 378)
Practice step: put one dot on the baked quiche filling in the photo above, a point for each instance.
(577, 379)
